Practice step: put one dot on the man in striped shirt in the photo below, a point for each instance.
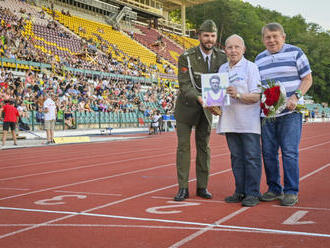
(287, 64)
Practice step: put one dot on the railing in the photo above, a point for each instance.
(5, 62)
(94, 120)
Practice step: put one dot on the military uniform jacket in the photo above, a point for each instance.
(188, 110)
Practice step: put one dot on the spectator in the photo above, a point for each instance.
(49, 108)
(10, 119)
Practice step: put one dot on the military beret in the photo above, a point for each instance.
(208, 26)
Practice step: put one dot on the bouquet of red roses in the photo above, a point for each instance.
(273, 99)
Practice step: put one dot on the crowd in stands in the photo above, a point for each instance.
(76, 93)
(93, 55)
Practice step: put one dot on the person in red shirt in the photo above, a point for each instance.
(10, 120)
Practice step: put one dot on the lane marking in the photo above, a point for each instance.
(83, 167)
(75, 159)
(102, 178)
(194, 235)
(82, 158)
(85, 181)
(57, 200)
(176, 204)
(313, 172)
(131, 226)
(208, 225)
(14, 189)
(100, 207)
(313, 146)
(294, 219)
(200, 232)
(311, 208)
(86, 193)
(187, 200)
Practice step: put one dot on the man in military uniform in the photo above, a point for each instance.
(190, 112)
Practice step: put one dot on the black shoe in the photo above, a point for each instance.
(250, 201)
(204, 193)
(236, 197)
(181, 195)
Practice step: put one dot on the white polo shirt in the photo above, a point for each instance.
(50, 105)
(239, 117)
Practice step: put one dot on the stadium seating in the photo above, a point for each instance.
(168, 49)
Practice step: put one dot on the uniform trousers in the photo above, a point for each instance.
(202, 137)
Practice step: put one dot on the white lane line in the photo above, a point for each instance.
(86, 193)
(84, 166)
(106, 205)
(100, 207)
(200, 232)
(196, 234)
(61, 160)
(131, 226)
(86, 181)
(313, 172)
(82, 158)
(100, 178)
(187, 200)
(310, 208)
(14, 189)
(311, 147)
(208, 225)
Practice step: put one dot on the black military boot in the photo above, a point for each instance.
(181, 195)
(201, 192)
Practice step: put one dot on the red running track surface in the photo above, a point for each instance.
(120, 194)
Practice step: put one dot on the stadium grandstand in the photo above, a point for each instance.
(110, 62)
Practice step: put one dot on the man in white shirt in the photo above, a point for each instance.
(240, 122)
(50, 117)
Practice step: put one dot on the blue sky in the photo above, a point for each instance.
(317, 11)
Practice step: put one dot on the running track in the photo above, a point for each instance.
(119, 194)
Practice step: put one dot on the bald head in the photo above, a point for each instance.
(234, 48)
(235, 37)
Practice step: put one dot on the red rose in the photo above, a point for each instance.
(262, 105)
(272, 95)
(266, 111)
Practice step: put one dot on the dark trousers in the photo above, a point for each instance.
(245, 161)
(202, 137)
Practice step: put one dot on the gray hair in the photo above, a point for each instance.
(274, 26)
(235, 36)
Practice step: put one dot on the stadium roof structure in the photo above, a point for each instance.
(169, 5)
(175, 4)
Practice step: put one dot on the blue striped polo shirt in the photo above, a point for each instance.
(288, 67)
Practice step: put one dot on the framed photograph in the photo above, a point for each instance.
(214, 88)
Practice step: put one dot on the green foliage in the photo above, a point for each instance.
(238, 17)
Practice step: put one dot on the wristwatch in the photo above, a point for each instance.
(238, 96)
(298, 94)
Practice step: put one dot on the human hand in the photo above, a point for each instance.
(292, 103)
(200, 100)
(215, 110)
(231, 91)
